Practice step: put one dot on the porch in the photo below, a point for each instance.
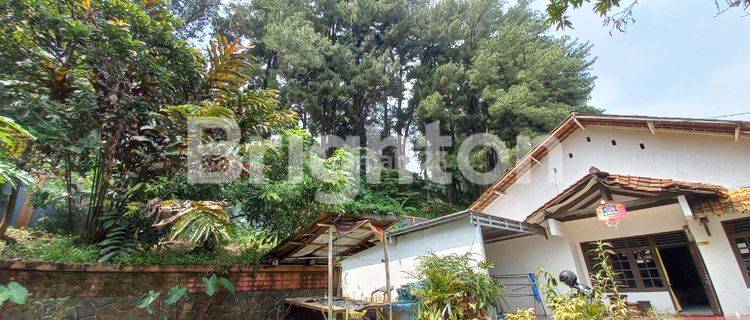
(672, 252)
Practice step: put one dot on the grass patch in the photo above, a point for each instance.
(39, 246)
(31, 245)
(218, 257)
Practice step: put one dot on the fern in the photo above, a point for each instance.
(117, 241)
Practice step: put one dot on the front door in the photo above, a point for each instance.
(707, 284)
(685, 281)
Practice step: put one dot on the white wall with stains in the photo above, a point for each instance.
(364, 272)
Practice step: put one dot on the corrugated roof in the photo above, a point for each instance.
(311, 243)
(734, 129)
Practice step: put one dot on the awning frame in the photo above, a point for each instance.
(493, 228)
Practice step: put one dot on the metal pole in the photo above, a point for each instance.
(387, 275)
(330, 272)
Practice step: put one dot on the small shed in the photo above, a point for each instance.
(330, 237)
(354, 233)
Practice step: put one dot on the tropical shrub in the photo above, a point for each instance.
(178, 294)
(98, 81)
(522, 314)
(196, 222)
(604, 302)
(572, 305)
(14, 292)
(455, 287)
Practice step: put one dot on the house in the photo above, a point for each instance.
(683, 244)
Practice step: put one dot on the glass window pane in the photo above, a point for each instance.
(621, 265)
(743, 246)
(648, 269)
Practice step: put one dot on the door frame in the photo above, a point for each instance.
(700, 265)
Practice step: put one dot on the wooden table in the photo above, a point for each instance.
(340, 305)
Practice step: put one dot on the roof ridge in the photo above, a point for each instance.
(575, 121)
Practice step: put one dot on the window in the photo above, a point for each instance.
(738, 232)
(621, 265)
(637, 268)
(636, 260)
(648, 269)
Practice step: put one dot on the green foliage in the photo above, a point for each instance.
(455, 287)
(176, 294)
(574, 306)
(38, 246)
(522, 314)
(504, 77)
(117, 241)
(203, 257)
(147, 299)
(200, 223)
(9, 173)
(14, 292)
(616, 14)
(227, 284)
(422, 198)
(91, 81)
(13, 138)
(212, 284)
(195, 15)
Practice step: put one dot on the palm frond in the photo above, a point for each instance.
(229, 68)
(198, 221)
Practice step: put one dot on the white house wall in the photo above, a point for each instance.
(564, 252)
(523, 256)
(642, 222)
(364, 272)
(675, 155)
(558, 253)
(725, 272)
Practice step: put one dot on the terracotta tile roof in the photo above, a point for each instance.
(733, 129)
(731, 201)
(632, 183)
(657, 185)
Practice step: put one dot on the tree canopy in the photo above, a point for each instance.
(106, 88)
(475, 65)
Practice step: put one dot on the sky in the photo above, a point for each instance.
(678, 59)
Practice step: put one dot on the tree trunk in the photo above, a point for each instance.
(452, 192)
(69, 189)
(9, 208)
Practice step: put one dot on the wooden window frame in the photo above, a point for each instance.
(731, 236)
(629, 252)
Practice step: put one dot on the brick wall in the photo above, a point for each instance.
(111, 291)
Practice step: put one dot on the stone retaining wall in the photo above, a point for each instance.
(107, 291)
